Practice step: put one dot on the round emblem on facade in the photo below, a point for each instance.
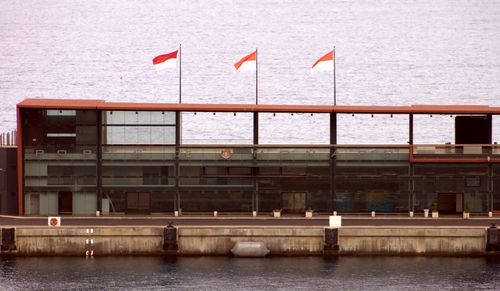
(226, 154)
(53, 222)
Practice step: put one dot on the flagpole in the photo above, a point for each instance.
(180, 73)
(256, 77)
(334, 80)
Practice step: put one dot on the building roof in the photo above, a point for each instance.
(364, 109)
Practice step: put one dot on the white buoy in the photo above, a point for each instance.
(250, 249)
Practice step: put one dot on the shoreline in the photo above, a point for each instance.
(291, 240)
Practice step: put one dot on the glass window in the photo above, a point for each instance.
(139, 118)
(294, 171)
(129, 135)
(240, 171)
(269, 171)
(61, 112)
(220, 200)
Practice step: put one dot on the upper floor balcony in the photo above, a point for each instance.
(306, 154)
(455, 153)
(61, 153)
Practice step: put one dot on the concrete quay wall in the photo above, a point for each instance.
(75, 241)
(279, 241)
(412, 241)
(115, 241)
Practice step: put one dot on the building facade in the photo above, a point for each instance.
(82, 156)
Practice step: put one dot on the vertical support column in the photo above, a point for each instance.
(410, 131)
(411, 188)
(489, 118)
(256, 128)
(178, 129)
(99, 160)
(20, 163)
(411, 170)
(490, 186)
(255, 170)
(333, 157)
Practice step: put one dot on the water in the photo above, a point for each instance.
(389, 52)
(222, 273)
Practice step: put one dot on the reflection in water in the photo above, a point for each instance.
(347, 273)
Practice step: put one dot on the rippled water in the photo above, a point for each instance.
(388, 52)
(217, 273)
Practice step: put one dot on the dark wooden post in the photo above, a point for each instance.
(99, 160)
(411, 170)
(178, 128)
(333, 157)
(255, 170)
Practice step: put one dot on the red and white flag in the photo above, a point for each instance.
(247, 63)
(325, 63)
(165, 61)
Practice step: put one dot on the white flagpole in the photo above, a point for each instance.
(256, 77)
(334, 79)
(180, 73)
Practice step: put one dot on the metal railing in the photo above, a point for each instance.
(271, 153)
(487, 152)
(138, 152)
(8, 138)
(60, 152)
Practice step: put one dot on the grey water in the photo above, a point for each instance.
(224, 273)
(388, 52)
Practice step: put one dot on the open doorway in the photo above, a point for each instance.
(473, 130)
(34, 203)
(65, 202)
(450, 203)
(138, 203)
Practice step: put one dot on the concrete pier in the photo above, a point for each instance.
(282, 241)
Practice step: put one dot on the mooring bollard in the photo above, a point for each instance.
(8, 239)
(331, 239)
(331, 244)
(492, 238)
(170, 238)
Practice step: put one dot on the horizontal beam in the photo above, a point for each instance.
(103, 105)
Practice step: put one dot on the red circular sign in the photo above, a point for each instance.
(53, 221)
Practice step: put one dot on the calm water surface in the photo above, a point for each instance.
(389, 52)
(217, 273)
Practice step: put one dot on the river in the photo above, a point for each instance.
(224, 273)
(388, 52)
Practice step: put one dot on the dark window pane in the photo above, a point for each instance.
(237, 171)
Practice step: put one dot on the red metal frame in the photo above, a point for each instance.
(103, 105)
(20, 164)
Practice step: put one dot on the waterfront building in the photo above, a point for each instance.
(82, 156)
